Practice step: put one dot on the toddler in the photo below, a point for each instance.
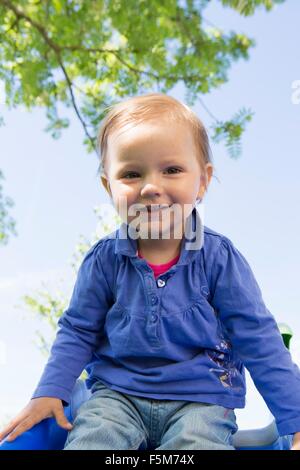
(165, 312)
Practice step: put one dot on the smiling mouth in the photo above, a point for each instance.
(156, 207)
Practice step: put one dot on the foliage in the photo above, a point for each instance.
(248, 7)
(88, 54)
(232, 131)
(50, 306)
(7, 224)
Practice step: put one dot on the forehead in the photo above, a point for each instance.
(154, 136)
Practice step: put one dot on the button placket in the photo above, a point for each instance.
(153, 290)
(151, 293)
(153, 324)
(153, 302)
(153, 320)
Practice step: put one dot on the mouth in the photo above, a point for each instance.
(156, 207)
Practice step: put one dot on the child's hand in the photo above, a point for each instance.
(296, 441)
(36, 410)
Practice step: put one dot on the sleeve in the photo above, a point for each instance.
(255, 336)
(80, 330)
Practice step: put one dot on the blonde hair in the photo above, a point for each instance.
(141, 108)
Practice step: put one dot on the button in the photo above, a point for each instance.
(154, 318)
(154, 299)
(204, 290)
(161, 283)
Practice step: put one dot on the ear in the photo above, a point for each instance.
(205, 180)
(106, 184)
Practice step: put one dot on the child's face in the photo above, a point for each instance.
(154, 163)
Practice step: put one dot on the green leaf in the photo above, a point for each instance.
(232, 130)
(7, 224)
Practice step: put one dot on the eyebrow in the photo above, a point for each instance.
(125, 158)
(130, 160)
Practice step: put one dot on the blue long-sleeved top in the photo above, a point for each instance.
(186, 335)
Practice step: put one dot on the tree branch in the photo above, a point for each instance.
(21, 15)
(116, 52)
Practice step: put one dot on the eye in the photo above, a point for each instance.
(173, 168)
(128, 174)
(132, 174)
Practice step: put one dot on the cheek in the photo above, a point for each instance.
(120, 190)
(123, 194)
(127, 192)
(185, 193)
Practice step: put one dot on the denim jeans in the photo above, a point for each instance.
(115, 420)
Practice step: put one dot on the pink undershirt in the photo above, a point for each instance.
(159, 269)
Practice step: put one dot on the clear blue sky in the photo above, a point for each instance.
(255, 202)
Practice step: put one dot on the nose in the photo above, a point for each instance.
(150, 189)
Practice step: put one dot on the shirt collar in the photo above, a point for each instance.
(190, 247)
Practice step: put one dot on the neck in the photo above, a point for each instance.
(159, 251)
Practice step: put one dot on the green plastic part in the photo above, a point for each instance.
(286, 333)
